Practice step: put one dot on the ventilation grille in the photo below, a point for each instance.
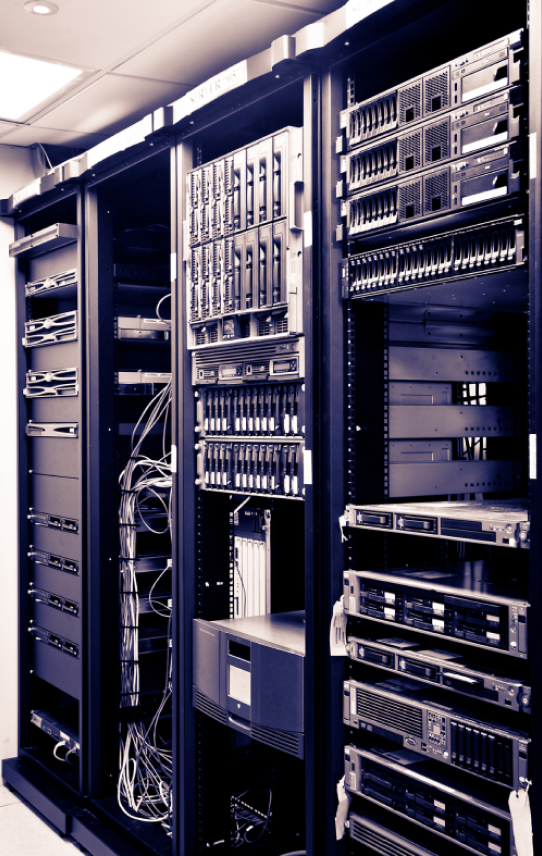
(205, 705)
(437, 192)
(385, 710)
(410, 104)
(285, 741)
(378, 842)
(245, 328)
(437, 91)
(409, 201)
(201, 338)
(265, 326)
(281, 325)
(410, 152)
(436, 143)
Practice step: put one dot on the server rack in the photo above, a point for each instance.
(386, 282)
(250, 388)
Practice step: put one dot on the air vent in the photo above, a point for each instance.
(245, 327)
(409, 201)
(379, 842)
(281, 324)
(205, 705)
(410, 104)
(265, 326)
(385, 710)
(285, 741)
(437, 92)
(201, 339)
(409, 155)
(437, 192)
(212, 333)
(436, 143)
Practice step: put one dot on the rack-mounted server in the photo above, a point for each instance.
(497, 247)
(415, 788)
(490, 68)
(253, 185)
(421, 720)
(495, 174)
(504, 523)
(440, 667)
(371, 830)
(466, 605)
(244, 263)
(271, 468)
(255, 410)
(477, 126)
(238, 362)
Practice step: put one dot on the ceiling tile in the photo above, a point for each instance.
(112, 103)
(215, 38)
(91, 33)
(27, 135)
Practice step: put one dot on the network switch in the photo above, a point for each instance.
(467, 605)
(58, 730)
(419, 717)
(142, 329)
(141, 382)
(440, 667)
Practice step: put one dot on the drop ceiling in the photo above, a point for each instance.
(138, 55)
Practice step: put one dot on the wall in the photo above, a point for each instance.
(15, 171)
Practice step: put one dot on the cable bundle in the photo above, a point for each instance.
(144, 784)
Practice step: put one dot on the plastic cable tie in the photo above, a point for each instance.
(342, 525)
